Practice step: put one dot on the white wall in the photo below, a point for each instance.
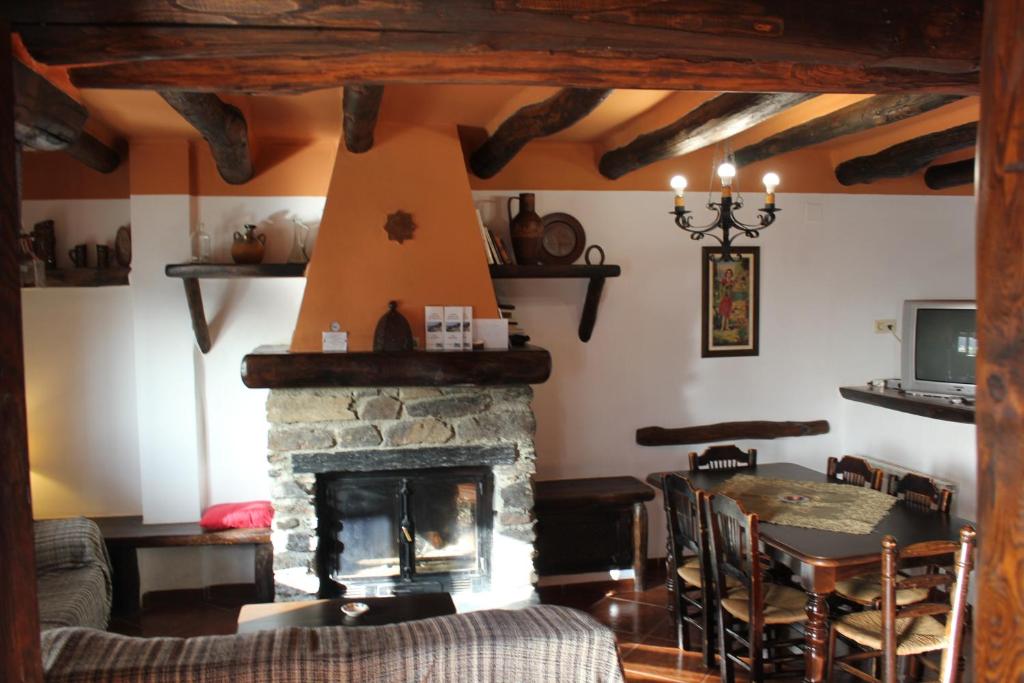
(832, 264)
(80, 376)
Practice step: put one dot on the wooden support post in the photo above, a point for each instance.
(907, 157)
(222, 126)
(537, 120)
(999, 626)
(589, 315)
(950, 175)
(717, 119)
(20, 658)
(360, 106)
(864, 115)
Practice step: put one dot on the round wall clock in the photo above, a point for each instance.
(562, 241)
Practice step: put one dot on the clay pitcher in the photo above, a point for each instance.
(526, 230)
(248, 248)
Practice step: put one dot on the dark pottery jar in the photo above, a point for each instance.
(526, 230)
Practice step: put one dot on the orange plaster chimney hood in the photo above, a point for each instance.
(356, 269)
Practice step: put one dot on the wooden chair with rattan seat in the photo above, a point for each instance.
(855, 471)
(689, 561)
(754, 614)
(894, 631)
(723, 457)
(918, 492)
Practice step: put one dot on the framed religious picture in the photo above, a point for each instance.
(730, 302)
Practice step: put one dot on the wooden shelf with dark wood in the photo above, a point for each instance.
(192, 273)
(85, 277)
(925, 406)
(274, 367)
(595, 273)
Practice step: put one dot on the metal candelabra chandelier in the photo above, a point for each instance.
(725, 216)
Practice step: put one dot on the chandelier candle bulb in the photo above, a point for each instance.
(678, 184)
(726, 172)
(771, 181)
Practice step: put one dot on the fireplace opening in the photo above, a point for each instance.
(382, 533)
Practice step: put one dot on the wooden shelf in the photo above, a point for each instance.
(226, 271)
(894, 399)
(596, 274)
(191, 273)
(277, 368)
(85, 277)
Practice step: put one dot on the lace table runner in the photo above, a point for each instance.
(810, 504)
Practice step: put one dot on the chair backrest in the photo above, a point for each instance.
(685, 517)
(855, 471)
(727, 457)
(734, 547)
(920, 492)
(949, 553)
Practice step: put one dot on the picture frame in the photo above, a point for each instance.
(730, 302)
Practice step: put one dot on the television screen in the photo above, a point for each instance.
(946, 343)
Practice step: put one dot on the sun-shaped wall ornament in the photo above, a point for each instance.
(399, 226)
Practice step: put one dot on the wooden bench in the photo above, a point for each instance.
(125, 535)
(586, 525)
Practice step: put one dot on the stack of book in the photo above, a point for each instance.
(516, 334)
(497, 252)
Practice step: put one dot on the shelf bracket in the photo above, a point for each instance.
(194, 297)
(589, 315)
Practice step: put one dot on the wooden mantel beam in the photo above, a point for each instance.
(360, 106)
(537, 120)
(868, 113)
(906, 157)
(872, 46)
(957, 173)
(48, 119)
(222, 126)
(717, 119)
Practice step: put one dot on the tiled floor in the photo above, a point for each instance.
(641, 621)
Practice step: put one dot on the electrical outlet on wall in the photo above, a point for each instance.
(885, 326)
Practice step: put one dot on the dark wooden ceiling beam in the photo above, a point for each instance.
(537, 120)
(713, 121)
(914, 34)
(360, 107)
(601, 69)
(48, 119)
(943, 176)
(222, 126)
(907, 157)
(859, 116)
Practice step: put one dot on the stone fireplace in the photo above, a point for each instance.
(435, 482)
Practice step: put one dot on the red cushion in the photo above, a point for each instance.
(256, 514)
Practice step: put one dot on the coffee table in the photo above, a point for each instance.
(308, 613)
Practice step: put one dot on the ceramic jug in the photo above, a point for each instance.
(526, 230)
(248, 248)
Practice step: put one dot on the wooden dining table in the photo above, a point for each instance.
(821, 558)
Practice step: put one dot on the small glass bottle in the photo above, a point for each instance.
(202, 245)
(299, 238)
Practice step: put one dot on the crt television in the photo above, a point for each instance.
(940, 344)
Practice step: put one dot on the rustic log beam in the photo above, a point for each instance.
(866, 114)
(907, 157)
(914, 34)
(360, 106)
(943, 176)
(728, 431)
(717, 119)
(48, 119)
(222, 126)
(20, 658)
(998, 626)
(537, 120)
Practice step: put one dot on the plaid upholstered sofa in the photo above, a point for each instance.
(544, 644)
(73, 574)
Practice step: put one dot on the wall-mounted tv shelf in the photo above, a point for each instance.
(894, 399)
(192, 273)
(595, 273)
